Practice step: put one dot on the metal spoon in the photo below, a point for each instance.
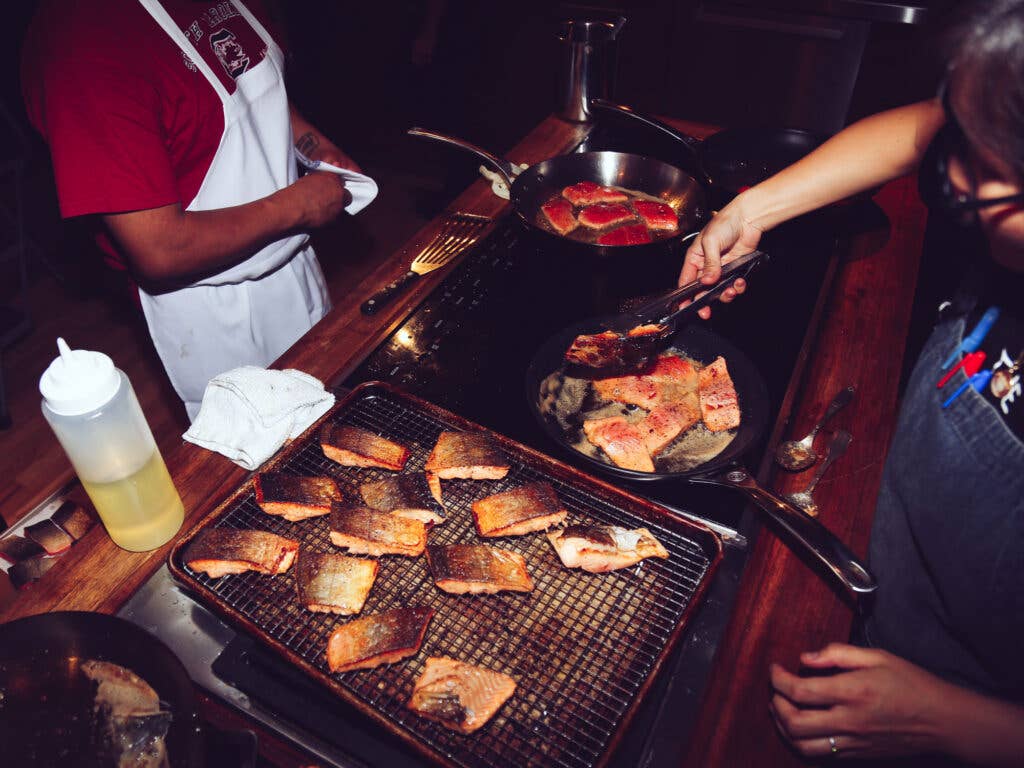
(795, 455)
(804, 499)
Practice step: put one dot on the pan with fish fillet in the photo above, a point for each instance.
(559, 395)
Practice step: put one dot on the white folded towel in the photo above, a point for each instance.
(248, 413)
(362, 188)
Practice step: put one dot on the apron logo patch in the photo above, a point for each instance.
(229, 52)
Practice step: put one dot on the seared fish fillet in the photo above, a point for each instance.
(621, 441)
(478, 568)
(295, 498)
(666, 422)
(610, 349)
(466, 455)
(602, 548)
(407, 495)
(355, 447)
(657, 215)
(602, 215)
(381, 638)
(667, 380)
(366, 531)
(558, 212)
(590, 192)
(718, 404)
(532, 507)
(628, 234)
(458, 695)
(332, 582)
(220, 551)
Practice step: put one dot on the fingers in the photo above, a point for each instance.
(693, 263)
(844, 656)
(712, 258)
(805, 691)
(809, 731)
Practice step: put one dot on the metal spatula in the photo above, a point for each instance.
(458, 232)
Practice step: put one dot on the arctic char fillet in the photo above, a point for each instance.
(467, 456)
(478, 568)
(621, 441)
(609, 349)
(333, 583)
(667, 379)
(355, 447)
(458, 695)
(718, 404)
(657, 215)
(381, 638)
(220, 551)
(603, 548)
(559, 214)
(590, 192)
(295, 498)
(666, 422)
(366, 531)
(604, 215)
(405, 495)
(531, 507)
(628, 234)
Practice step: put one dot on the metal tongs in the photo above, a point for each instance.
(636, 335)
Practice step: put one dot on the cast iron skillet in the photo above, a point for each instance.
(537, 184)
(47, 701)
(724, 469)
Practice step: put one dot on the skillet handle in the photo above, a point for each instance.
(815, 537)
(609, 106)
(504, 167)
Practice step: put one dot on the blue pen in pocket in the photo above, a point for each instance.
(978, 381)
(973, 340)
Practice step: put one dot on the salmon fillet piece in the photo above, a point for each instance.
(667, 379)
(655, 215)
(460, 696)
(630, 234)
(621, 441)
(220, 551)
(381, 638)
(666, 422)
(406, 495)
(365, 531)
(468, 456)
(603, 548)
(559, 213)
(295, 498)
(332, 582)
(719, 406)
(478, 569)
(604, 215)
(355, 447)
(589, 193)
(531, 507)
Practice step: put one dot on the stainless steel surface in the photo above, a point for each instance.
(458, 232)
(837, 447)
(502, 166)
(588, 65)
(796, 455)
(897, 12)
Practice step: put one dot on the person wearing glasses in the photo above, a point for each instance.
(940, 673)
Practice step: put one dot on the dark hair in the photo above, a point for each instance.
(986, 73)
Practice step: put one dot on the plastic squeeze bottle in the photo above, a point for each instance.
(92, 408)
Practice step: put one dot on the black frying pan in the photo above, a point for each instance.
(723, 469)
(537, 184)
(47, 701)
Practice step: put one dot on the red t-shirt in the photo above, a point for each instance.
(130, 121)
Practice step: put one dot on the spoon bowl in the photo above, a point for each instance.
(796, 455)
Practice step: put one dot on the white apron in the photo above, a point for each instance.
(252, 312)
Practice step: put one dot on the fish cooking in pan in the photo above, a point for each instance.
(628, 234)
(332, 582)
(621, 440)
(559, 214)
(477, 568)
(604, 215)
(656, 215)
(381, 638)
(718, 404)
(295, 498)
(220, 551)
(528, 508)
(366, 531)
(458, 695)
(355, 447)
(609, 349)
(602, 548)
(668, 379)
(466, 455)
(590, 193)
(666, 422)
(405, 495)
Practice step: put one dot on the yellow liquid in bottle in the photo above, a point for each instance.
(142, 511)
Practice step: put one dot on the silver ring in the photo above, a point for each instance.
(833, 747)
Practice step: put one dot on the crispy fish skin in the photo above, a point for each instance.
(531, 507)
(601, 215)
(603, 548)
(621, 441)
(666, 422)
(467, 456)
(628, 234)
(478, 569)
(609, 349)
(220, 551)
(332, 582)
(559, 215)
(667, 379)
(366, 531)
(590, 192)
(381, 638)
(355, 447)
(295, 498)
(458, 695)
(718, 404)
(657, 215)
(406, 495)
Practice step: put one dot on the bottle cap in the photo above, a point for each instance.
(78, 381)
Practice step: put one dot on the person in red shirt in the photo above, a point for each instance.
(169, 122)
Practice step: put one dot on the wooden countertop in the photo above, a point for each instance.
(782, 607)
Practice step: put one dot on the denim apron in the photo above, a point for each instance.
(947, 544)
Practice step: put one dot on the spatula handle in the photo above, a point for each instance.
(373, 304)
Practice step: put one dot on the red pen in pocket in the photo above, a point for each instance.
(971, 363)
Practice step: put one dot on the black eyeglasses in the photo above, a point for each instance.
(934, 184)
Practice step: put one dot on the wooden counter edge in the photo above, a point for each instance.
(783, 607)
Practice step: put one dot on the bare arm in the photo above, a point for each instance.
(314, 145)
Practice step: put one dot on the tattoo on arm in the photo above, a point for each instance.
(307, 144)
